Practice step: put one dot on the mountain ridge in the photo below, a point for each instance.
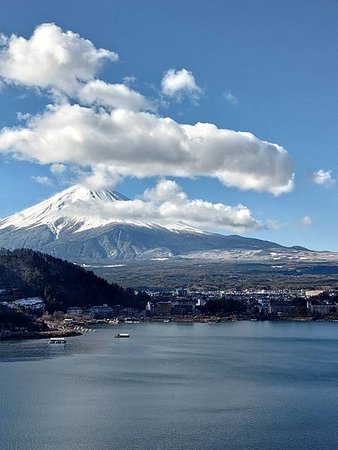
(68, 226)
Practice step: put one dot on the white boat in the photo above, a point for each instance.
(57, 341)
(122, 335)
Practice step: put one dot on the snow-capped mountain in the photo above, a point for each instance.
(62, 211)
(77, 224)
(77, 209)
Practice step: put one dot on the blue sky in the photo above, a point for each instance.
(269, 68)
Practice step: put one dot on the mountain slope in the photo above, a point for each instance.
(65, 226)
(60, 283)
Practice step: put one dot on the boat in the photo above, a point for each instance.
(57, 341)
(122, 335)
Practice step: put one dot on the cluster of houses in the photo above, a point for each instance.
(184, 302)
(280, 303)
(104, 311)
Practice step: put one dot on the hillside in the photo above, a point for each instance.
(61, 283)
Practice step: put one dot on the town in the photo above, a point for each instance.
(32, 319)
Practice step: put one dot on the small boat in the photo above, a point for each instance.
(122, 335)
(57, 341)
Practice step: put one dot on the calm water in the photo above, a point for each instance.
(245, 385)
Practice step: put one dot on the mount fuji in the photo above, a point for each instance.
(66, 226)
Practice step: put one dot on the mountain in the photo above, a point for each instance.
(73, 225)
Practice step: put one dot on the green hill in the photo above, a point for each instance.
(60, 283)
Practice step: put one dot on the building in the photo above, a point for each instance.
(163, 308)
(75, 310)
(280, 308)
(323, 309)
(101, 312)
(186, 308)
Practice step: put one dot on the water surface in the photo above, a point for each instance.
(241, 385)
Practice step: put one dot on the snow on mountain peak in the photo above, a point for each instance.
(83, 193)
(69, 208)
(80, 208)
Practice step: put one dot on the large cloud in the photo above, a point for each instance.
(65, 64)
(51, 58)
(169, 206)
(114, 138)
(141, 144)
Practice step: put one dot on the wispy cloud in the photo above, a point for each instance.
(42, 180)
(231, 98)
(129, 79)
(306, 221)
(23, 116)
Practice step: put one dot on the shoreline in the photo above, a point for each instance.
(40, 335)
(26, 335)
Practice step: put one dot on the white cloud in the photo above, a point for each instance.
(51, 58)
(104, 145)
(231, 98)
(306, 221)
(273, 224)
(112, 95)
(42, 180)
(101, 177)
(168, 205)
(23, 116)
(142, 144)
(165, 190)
(129, 79)
(179, 83)
(58, 169)
(67, 65)
(3, 39)
(323, 177)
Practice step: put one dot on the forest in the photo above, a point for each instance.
(60, 283)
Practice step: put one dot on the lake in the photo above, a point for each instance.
(236, 385)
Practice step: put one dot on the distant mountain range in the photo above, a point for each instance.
(65, 226)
